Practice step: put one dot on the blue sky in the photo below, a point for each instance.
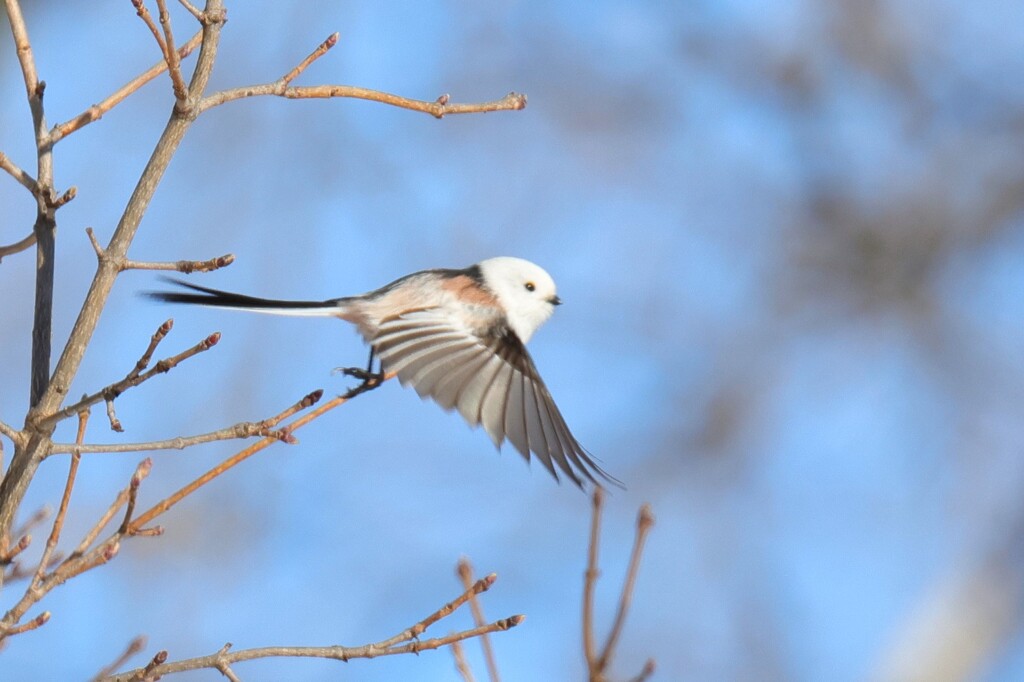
(789, 238)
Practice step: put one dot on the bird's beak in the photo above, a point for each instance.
(554, 300)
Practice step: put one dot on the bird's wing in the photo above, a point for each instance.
(490, 378)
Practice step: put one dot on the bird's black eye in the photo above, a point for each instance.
(530, 286)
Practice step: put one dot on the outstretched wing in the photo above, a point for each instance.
(491, 380)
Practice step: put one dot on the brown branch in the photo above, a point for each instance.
(234, 460)
(590, 582)
(18, 246)
(597, 663)
(33, 624)
(16, 172)
(461, 664)
(320, 51)
(645, 672)
(439, 108)
(11, 432)
(62, 510)
(23, 47)
(465, 571)
(171, 54)
(193, 10)
(135, 646)
(644, 523)
(402, 643)
(96, 111)
(147, 18)
(111, 392)
(184, 266)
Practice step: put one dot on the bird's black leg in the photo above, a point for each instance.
(370, 379)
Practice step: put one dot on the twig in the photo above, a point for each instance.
(18, 246)
(147, 18)
(590, 582)
(62, 510)
(185, 266)
(111, 392)
(597, 663)
(644, 523)
(193, 10)
(645, 672)
(402, 643)
(234, 460)
(460, 662)
(465, 571)
(171, 54)
(133, 491)
(11, 432)
(26, 180)
(96, 111)
(23, 47)
(135, 646)
(439, 108)
(36, 622)
(320, 51)
(263, 428)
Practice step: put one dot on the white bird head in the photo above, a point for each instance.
(524, 289)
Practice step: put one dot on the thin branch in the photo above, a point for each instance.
(465, 571)
(16, 172)
(439, 108)
(133, 379)
(135, 646)
(96, 111)
(185, 266)
(147, 18)
(11, 432)
(171, 54)
(402, 643)
(320, 51)
(62, 510)
(644, 523)
(460, 662)
(33, 624)
(18, 246)
(264, 428)
(171, 500)
(193, 10)
(645, 672)
(590, 582)
(23, 47)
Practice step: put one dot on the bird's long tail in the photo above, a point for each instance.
(225, 299)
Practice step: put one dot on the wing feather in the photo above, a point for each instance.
(488, 376)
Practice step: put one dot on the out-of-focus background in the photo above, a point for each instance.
(790, 238)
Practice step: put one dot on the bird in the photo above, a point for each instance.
(458, 337)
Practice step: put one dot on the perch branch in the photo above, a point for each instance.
(185, 266)
(590, 582)
(96, 111)
(171, 54)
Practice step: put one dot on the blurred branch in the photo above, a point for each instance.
(96, 111)
(135, 646)
(402, 643)
(598, 663)
(465, 571)
(459, 654)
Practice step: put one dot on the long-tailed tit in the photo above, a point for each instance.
(456, 336)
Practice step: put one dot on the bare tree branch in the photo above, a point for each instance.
(26, 180)
(598, 663)
(465, 571)
(402, 643)
(96, 111)
(135, 646)
(460, 662)
(134, 378)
